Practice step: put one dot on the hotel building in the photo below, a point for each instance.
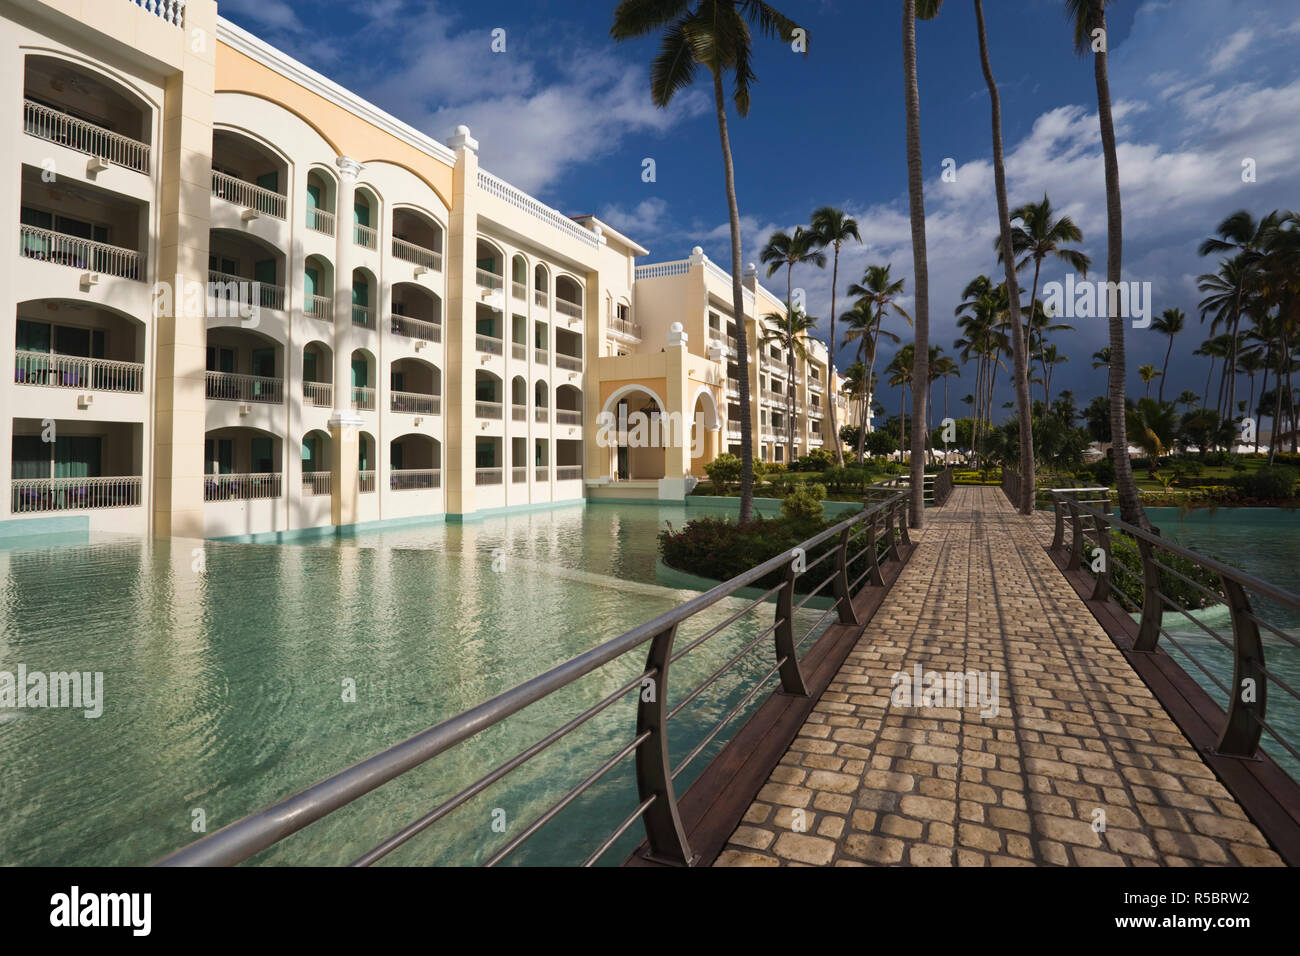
(242, 301)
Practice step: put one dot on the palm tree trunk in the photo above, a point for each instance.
(1208, 378)
(789, 401)
(871, 371)
(830, 362)
(1023, 409)
(1164, 371)
(1130, 505)
(738, 310)
(920, 269)
(1263, 390)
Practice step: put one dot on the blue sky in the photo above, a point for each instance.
(1198, 86)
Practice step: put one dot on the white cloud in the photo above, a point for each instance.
(1231, 51)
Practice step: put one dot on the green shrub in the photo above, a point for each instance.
(1102, 472)
(804, 504)
(878, 444)
(723, 471)
(1270, 482)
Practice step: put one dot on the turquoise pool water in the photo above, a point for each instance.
(1266, 543)
(224, 689)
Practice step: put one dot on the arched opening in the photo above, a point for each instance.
(490, 305)
(363, 380)
(71, 105)
(415, 463)
(541, 286)
(568, 405)
(518, 399)
(249, 174)
(318, 288)
(320, 199)
(487, 395)
(241, 464)
(519, 278)
(366, 467)
(318, 375)
(244, 271)
(416, 387)
(705, 429)
(69, 344)
(365, 292)
(417, 239)
(636, 437)
(243, 366)
(541, 402)
(568, 297)
(316, 463)
(417, 312)
(365, 218)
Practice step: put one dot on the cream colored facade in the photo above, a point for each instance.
(243, 301)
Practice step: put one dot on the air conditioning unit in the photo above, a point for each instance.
(248, 215)
(89, 279)
(85, 401)
(96, 165)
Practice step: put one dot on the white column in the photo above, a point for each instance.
(345, 424)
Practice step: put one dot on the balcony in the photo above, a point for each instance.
(410, 328)
(816, 386)
(543, 473)
(315, 483)
(366, 237)
(541, 356)
(542, 415)
(318, 307)
(415, 479)
(70, 371)
(366, 482)
(572, 309)
(243, 291)
(362, 317)
(625, 329)
(169, 11)
(490, 410)
(733, 388)
(52, 125)
(519, 352)
(733, 430)
(46, 245)
(318, 394)
(487, 476)
(567, 417)
(519, 474)
(540, 299)
(249, 196)
(519, 290)
(415, 403)
(36, 495)
(417, 255)
(489, 345)
(816, 412)
(488, 280)
(252, 487)
(230, 387)
(363, 399)
(570, 363)
(568, 473)
(318, 220)
(519, 413)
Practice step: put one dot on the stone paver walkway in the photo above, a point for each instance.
(1079, 766)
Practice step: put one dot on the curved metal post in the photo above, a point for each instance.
(1242, 729)
(791, 677)
(873, 557)
(1153, 606)
(903, 515)
(1058, 538)
(1101, 590)
(663, 824)
(841, 586)
(1076, 544)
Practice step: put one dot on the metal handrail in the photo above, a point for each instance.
(656, 803)
(1244, 718)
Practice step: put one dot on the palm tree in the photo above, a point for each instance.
(1225, 291)
(833, 228)
(1039, 324)
(1187, 398)
(1051, 358)
(1242, 235)
(900, 370)
(865, 328)
(1148, 374)
(878, 292)
(1101, 359)
(714, 34)
(1089, 16)
(1170, 322)
(789, 250)
(1006, 247)
(788, 332)
(926, 10)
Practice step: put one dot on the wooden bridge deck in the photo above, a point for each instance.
(1080, 764)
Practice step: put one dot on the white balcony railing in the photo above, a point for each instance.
(489, 345)
(540, 299)
(488, 476)
(318, 307)
(249, 195)
(365, 236)
(572, 309)
(238, 290)
(418, 255)
(318, 394)
(568, 473)
(250, 487)
(415, 403)
(492, 410)
(415, 479)
(541, 356)
(229, 387)
(631, 330)
(488, 280)
(361, 317)
(543, 473)
(363, 399)
(416, 328)
(58, 127)
(567, 417)
(61, 249)
(519, 290)
(366, 483)
(570, 363)
(31, 495)
(519, 352)
(315, 483)
(319, 220)
(169, 11)
(70, 371)
(519, 413)
(542, 415)
(519, 474)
